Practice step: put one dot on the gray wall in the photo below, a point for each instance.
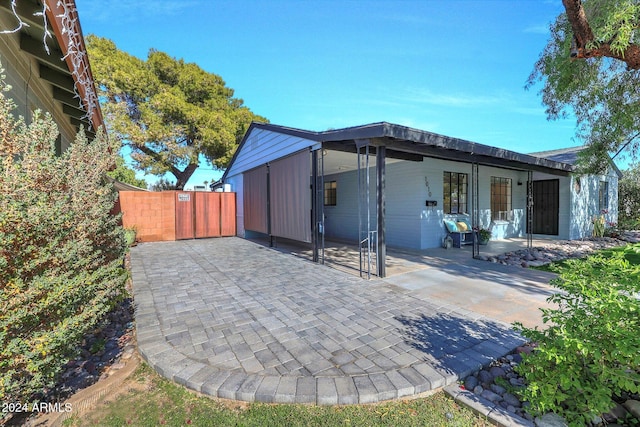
(409, 223)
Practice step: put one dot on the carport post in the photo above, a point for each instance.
(381, 152)
(315, 204)
(530, 203)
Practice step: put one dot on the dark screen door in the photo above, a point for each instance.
(546, 206)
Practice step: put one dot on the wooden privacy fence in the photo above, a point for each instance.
(177, 215)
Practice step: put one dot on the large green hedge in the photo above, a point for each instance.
(60, 249)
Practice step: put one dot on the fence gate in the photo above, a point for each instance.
(203, 214)
(185, 215)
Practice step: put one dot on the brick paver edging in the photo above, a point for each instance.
(485, 408)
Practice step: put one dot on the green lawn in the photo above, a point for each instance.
(149, 400)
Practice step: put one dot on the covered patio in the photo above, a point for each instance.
(384, 185)
(345, 256)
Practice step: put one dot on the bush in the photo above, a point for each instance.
(629, 199)
(589, 352)
(60, 250)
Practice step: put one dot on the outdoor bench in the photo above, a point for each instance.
(460, 230)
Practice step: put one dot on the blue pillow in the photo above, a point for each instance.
(451, 226)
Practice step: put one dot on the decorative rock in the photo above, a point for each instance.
(489, 395)
(550, 420)
(516, 382)
(511, 399)
(524, 349)
(498, 389)
(470, 383)
(497, 372)
(485, 377)
(559, 250)
(633, 406)
(618, 412)
(478, 389)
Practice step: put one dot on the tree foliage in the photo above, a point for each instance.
(169, 112)
(588, 352)
(60, 249)
(591, 67)
(629, 199)
(125, 174)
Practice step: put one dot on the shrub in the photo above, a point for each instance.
(589, 352)
(629, 198)
(60, 249)
(598, 222)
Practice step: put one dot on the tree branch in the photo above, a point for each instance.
(583, 36)
(182, 176)
(626, 144)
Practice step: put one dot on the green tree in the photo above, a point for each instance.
(169, 112)
(125, 174)
(629, 198)
(591, 67)
(61, 250)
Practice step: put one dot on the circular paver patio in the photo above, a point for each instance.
(233, 319)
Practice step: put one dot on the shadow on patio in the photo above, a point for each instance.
(451, 343)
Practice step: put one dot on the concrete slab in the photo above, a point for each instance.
(234, 319)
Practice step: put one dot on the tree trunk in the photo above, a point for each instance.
(183, 176)
(583, 35)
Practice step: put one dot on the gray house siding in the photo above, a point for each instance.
(585, 198)
(263, 146)
(260, 147)
(409, 222)
(579, 202)
(27, 91)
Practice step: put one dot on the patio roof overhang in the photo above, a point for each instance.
(411, 144)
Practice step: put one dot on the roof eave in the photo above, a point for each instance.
(65, 24)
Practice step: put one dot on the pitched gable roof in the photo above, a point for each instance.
(570, 155)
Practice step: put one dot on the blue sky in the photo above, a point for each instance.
(455, 67)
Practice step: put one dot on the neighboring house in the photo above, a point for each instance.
(59, 81)
(384, 184)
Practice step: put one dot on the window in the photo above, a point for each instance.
(603, 196)
(455, 193)
(500, 199)
(330, 193)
